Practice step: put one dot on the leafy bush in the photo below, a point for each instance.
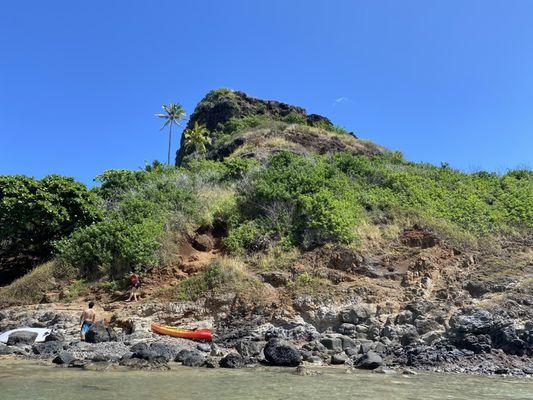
(36, 213)
(303, 199)
(113, 247)
(295, 118)
(235, 125)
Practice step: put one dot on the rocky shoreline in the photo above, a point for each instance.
(471, 341)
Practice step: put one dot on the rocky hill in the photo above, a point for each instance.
(256, 128)
(296, 242)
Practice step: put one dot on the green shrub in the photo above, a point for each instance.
(238, 168)
(295, 118)
(305, 200)
(113, 247)
(115, 183)
(235, 125)
(36, 213)
(241, 236)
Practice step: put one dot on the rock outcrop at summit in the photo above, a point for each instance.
(218, 107)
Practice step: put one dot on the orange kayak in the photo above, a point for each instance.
(198, 334)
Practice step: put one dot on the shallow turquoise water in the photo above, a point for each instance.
(26, 380)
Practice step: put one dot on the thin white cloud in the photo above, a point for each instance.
(340, 100)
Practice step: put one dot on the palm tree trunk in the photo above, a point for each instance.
(169, 143)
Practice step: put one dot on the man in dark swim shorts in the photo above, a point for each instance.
(87, 319)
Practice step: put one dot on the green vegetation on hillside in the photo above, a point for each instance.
(271, 194)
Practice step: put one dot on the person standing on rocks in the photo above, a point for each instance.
(135, 286)
(87, 319)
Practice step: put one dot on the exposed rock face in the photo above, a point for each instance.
(219, 106)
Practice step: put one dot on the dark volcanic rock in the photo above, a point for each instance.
(282, 353)
(64, 357)
(54, 336)
(193, 358)
(142, 351)
(138, 363)
(332, 343)
(506, 338)
(99, 333)
(21, 338)
(472, 321)
(166, 351)
(232, 360)
(219, 106)
(481, 343)
(48, 348)
(370, 360)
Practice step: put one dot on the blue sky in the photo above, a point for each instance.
(80, 82)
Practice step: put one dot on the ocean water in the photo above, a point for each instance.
(30, 380)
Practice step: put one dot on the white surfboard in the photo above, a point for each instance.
(42, 333)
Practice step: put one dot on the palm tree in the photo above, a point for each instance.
(197, 137)
(173, 113)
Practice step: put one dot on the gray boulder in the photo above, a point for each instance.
(232, 360)
(332, 343)
(64, 357)
(21, 338)
(339, 359)
(370, 360)
(99, 333)
(193, 358)
(249, 348)
(48, 348)
(281, 353)
(358, 313)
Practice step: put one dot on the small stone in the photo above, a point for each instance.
(408, 371)
(205, 347)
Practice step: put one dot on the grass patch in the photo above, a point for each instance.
(224, 275)
(32, 287)
(309, 284)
